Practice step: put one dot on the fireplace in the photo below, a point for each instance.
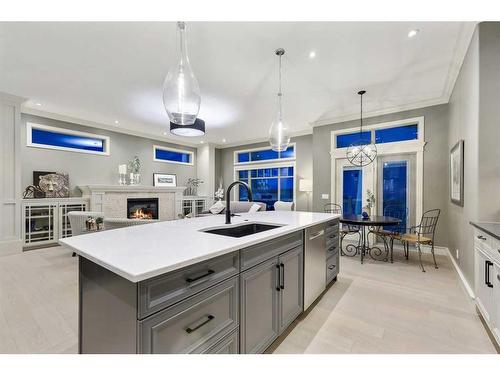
(142, 208)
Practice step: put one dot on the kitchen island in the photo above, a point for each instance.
(173, 287)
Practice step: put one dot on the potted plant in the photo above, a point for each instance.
(135, 171)
(370, 203)
(192, 186)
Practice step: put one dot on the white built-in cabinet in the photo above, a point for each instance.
(487, 279)
(194, 205)
(45, 221)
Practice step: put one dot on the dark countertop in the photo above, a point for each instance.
(493, 229)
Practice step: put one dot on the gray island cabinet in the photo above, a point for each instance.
(235, 303)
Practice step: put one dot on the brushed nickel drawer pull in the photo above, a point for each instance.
(209, 318)
(191, 280)
(317, 234)
(331, 267)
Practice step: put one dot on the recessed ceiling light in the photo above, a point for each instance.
(117, 122)
(164, 133)
(202, 142)
(312, 54)
(38, 104)
(413, 32)
(224, 140)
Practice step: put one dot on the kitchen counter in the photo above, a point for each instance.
(491, 228)
(141, 252)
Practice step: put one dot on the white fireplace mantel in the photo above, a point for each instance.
(111, 200)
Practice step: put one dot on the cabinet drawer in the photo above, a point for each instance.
(165, 290)
(228, 345)
(254, 255)
(332, 227)
(193, 325)
(332, 268)
(495, 250)
(333, 250)
(332, 239)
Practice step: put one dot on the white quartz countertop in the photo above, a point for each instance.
(140, 252)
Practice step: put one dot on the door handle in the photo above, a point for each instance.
(317, 234)
(278, 278)
(191, 330)
(282, 282)
(488, 264)
(191, 280)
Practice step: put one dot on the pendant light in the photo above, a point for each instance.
(181, 92)
(358, 153)
(195, 130)
(279, 136)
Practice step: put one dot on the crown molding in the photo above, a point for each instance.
(12, 99)
(386, 111)
(97, 125)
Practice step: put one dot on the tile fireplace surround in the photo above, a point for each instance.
(112, 199)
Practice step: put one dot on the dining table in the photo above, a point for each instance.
(368, 225)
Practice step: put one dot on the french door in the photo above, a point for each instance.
(391, 178)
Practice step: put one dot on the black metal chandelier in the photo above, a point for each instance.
(359, 153)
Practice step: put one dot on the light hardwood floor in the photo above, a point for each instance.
(373, 308)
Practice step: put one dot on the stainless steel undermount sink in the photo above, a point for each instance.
(241, 230)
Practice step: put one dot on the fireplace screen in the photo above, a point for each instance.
(142, 208)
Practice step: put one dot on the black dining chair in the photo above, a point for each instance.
(334, 208)
(389, 233)
(423, 234)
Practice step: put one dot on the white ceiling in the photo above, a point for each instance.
(96, 73)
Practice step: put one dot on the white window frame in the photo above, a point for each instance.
(416, 146)
(259, 165)
(29, 141)
(235, 155)
(158, 147)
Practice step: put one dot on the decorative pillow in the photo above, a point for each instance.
(217, 208)
(255, 207)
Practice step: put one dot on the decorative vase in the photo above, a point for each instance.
(135, 178)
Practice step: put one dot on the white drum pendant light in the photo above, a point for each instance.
(358, 153)
(279, 135)
(181, 92)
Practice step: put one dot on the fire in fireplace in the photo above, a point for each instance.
(142, 208)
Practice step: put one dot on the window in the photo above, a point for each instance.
(345, 140)
(263, 154)
(54, 138)
(352, 191)
(394, 189)
(268, 184)
(172, 155)
(396, 134)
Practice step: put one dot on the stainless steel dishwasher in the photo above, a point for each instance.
(314, 264)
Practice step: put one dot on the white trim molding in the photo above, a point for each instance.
(468, 288)
(29, 142)
(235, 155)
(415, 147)
(164, 148)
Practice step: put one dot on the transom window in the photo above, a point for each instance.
(263, 154)
(172, 155)
(50, 137)
(383, 135)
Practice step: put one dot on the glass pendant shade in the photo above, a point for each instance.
(359, 153)
(181, 92)
(279, 133)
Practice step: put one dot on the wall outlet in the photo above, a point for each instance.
(456, 253)
(325, 196)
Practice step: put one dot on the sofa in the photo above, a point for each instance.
(238, 207)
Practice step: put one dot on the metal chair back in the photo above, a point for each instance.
(333, 208)
(428, 223)
(399, 212)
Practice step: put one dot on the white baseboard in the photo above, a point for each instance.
(468, 288)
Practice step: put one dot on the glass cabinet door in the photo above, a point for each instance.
(40, 224)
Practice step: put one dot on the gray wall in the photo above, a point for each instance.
(464, 124)
(474, 117)
(435, 193)
(86, 169)
(303, 164)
